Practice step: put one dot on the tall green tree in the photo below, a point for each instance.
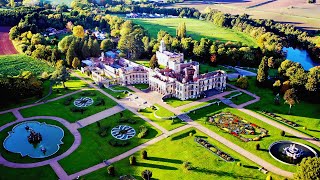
(85, 50)
(60, 75)
(75, 63)
(313, 81)
(95, 50)
(153, 63)
(290, 98)
(181, 31)
(262, 73)
(71, 53)
(308, 169)
(106, 45)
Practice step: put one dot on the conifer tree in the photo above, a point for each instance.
(95, 50)
(85, 50)
(262, 74)
(70, 53)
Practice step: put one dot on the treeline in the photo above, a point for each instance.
(11, 17)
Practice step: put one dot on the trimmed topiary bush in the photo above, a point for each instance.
(144, 154)
(257, 146)
(132, 160)
(111, 170)
(143, 131)
(239, 164)
(146, 174)
(78, 109)
(187, 165)
(99, 102)
(269, 177)
(282, 133)
(118, 143)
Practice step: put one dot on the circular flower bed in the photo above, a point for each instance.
(83, 102)
(123, 132)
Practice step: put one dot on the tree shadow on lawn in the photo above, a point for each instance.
(314, 130)
(156, 166)
(181, 136)
(176, 161)
(251, 167)
(221, 173)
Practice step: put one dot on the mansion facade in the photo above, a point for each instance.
(180, 79)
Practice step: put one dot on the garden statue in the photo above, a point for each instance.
(277, 99)
(34, 138)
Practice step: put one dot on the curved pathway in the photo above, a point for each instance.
(75, 145)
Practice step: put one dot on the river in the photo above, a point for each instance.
(300, 56)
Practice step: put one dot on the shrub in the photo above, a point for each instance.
(305, 128)
(256, 138)
(257, 146)
(282, 133)
(78, 109)
(144, 154)
(146, 174)
(187, 165)
(239, 164)
(242, 83)
(111, 170)
(99, 102)
(68, 101)
(133, 160)
(190, 134)
(118, 143)
(132, 121)
(143, 131)
(118, 97)
(269, 177)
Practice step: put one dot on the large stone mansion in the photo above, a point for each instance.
(180, 78)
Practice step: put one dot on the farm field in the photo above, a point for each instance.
(197, 29)
(6, 46)
(296, 12)
(13, 65)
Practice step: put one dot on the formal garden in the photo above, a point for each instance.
(181, 157)
(74, 107)
(162, 116)
(259, 147)
(118, 91)
(108, 138)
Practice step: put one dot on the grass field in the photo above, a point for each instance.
(174, 102)
(15, 64)
(166, 157)
(274, 134)
(199, 105)
(63, 111)
(303, 113)
(141, 86)
(145, 62)
(41, 173)
(14, 157)
(243, 98)
(195, 28)
(165, 123)
(204, 68)
(94, 148)
(6, 118)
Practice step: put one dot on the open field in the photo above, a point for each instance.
(6, 46)
(15, 157)
(39, 173)
(296, 12)
(195, 28)
(165, 161)
(201, 116)
(15, 64)
(94, 148)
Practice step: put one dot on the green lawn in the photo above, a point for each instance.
(304, 113)
(118, 95)
(94, 149)
(204, 68)
(274, 134)
(67, 140)
(43, 173)
(141, 86)
(195, 28)
(165, 123)
(243, 98)
(165, 160)
(57, 108)
(15, 64)
(174, 102)
(6, 118)
(198, 105)
(163, 112)
(145, 62)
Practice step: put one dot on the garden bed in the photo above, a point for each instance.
(279, 118)
(214, 149)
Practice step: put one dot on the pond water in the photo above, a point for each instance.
(17, 140)
(300, 56)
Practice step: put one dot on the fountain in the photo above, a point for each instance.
(290, 152)
(34, 137)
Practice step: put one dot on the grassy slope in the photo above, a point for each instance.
(195, 28)
(174, 102)
(39, 173)
(166, 158)
(167, 124)
(94, 149)
(15, 64)
(199, 105)
(201, 117)
(14, 157)
(57, 108)
(303, 113)
(6, 118)
(239, 99)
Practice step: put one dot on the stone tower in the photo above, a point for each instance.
(162, 46)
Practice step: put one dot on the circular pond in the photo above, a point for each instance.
(289, 152)
(83, 102)
(34, 139)
(123, 132)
